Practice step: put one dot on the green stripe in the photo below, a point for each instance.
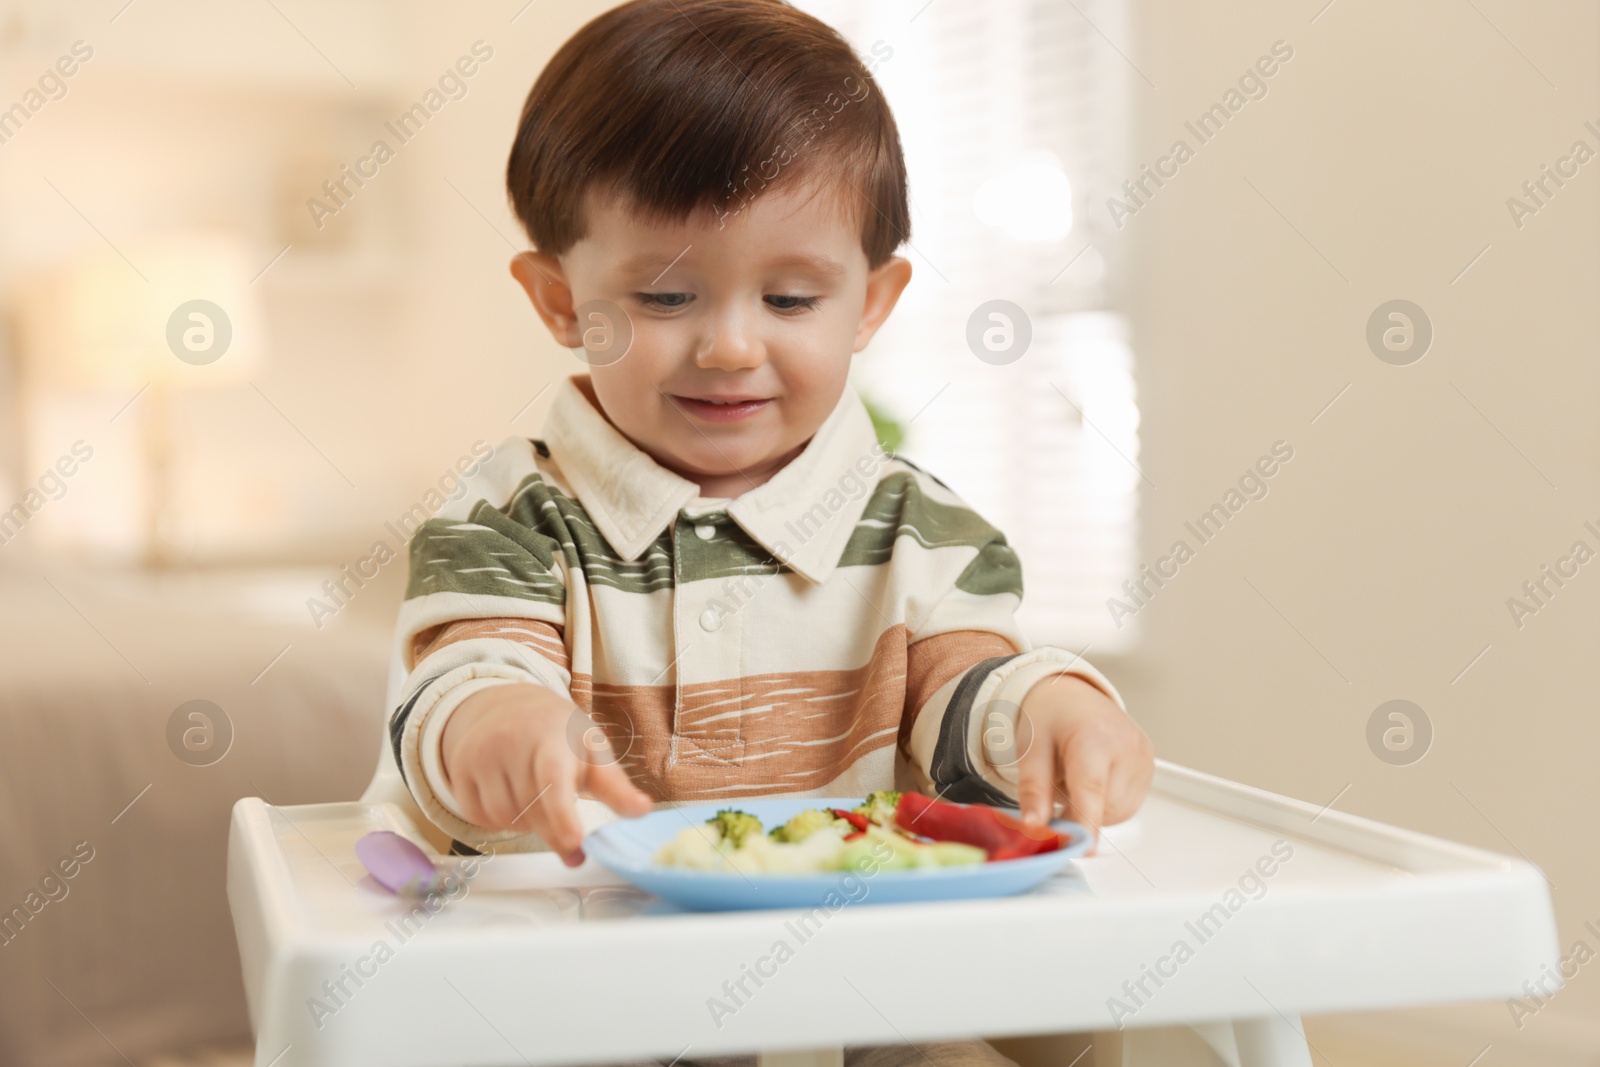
(730, 553)
(541, 506)
(899, 508)
(514, 554)
(995, 570)
(496, 558)
(540, 521)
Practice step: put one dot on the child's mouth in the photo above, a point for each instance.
(720, 409)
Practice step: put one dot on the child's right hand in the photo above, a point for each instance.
(515, 761)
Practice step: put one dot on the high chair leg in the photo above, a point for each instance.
(1275, 1041)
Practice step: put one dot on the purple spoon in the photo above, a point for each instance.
(397, 864)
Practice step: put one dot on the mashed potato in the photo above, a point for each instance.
(701, 848)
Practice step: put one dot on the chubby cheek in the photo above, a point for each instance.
(632, 383)
(656, 351)
(810, 405)
(813, 380)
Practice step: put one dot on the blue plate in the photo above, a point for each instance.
(628, 847)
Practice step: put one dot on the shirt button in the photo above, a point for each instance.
(705, 531)
(710, 620)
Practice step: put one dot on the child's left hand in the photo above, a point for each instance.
(1081, 748)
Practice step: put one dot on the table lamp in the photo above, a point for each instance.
(176, 313)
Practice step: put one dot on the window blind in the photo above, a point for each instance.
(1013, 118)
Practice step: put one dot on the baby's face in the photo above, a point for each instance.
(742, 332)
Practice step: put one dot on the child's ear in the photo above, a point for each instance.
(884, 286)
(542, 278)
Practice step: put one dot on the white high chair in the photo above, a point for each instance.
(533, 963)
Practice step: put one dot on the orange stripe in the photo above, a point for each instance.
(933, 661)
(760, 734)
(542, 637)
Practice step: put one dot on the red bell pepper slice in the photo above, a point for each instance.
(1002, 836)
(855, 819)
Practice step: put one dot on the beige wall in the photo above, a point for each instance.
(396, 337)
(1392, 540)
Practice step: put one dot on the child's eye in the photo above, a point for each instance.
(664, 300)
(780, 302)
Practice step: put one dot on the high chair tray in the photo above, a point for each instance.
(1220, 902)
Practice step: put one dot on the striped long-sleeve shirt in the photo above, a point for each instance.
(847, 626)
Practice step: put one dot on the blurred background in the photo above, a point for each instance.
(239, 341)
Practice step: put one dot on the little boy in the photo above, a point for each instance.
(708, 580)
(709, 555)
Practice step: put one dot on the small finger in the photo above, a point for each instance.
(1036, 775)
(557, 774)
(1086, 771)
(544, 820)
(610, 784)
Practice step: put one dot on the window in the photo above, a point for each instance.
(1013, 120)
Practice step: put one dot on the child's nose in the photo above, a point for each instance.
(731, 344)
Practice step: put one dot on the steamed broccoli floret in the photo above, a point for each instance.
(735, 826)
(805, 824)
(879, 806)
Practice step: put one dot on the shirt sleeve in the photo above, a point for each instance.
(485, 606)
(967, 669)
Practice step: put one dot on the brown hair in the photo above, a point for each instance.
(684, 105)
